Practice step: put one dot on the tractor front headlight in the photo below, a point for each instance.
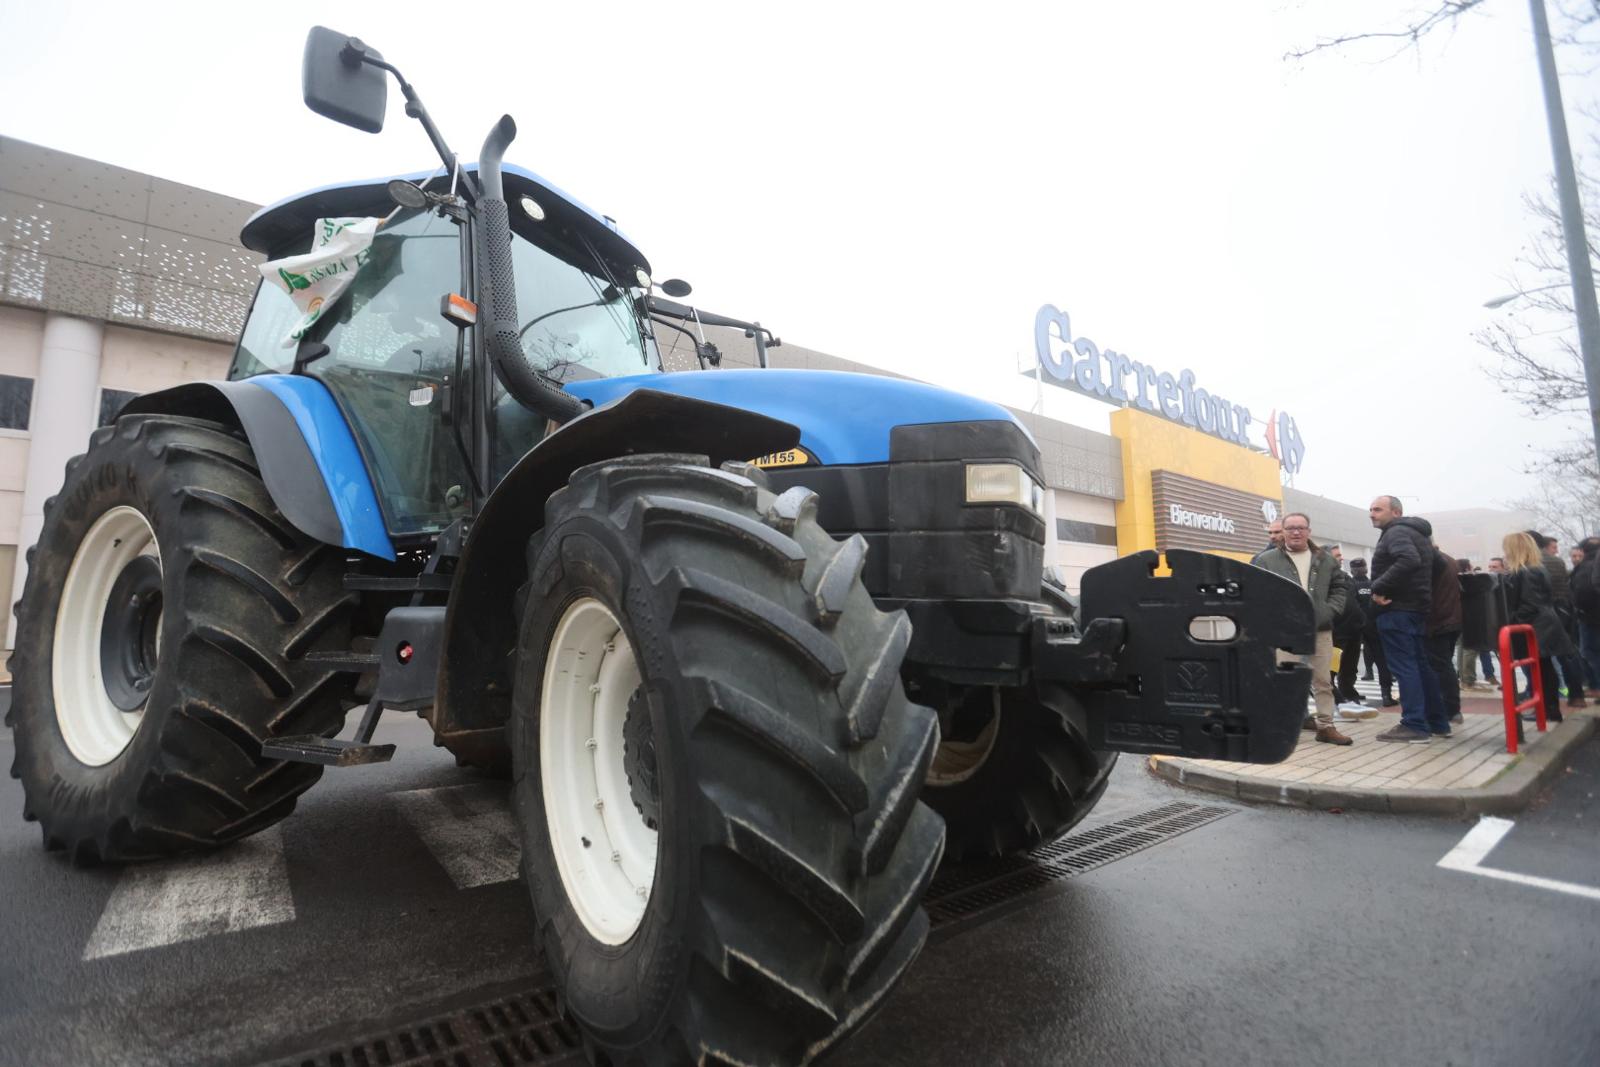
(1004, 483)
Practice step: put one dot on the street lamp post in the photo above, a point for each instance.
(1583, 298)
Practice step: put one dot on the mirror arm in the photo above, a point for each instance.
(415, 109)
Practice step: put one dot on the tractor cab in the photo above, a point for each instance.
(391, 351)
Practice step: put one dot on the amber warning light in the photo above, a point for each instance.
(458, 309)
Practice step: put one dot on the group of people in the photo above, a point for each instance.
(1405, 615)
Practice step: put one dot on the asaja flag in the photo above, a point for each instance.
(316, 280)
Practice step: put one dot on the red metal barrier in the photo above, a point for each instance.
(1508, 683)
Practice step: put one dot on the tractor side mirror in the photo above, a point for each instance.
(339, 83)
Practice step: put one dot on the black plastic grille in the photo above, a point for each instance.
(963, 893)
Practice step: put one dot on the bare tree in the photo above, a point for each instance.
(1576, 24)
(1537, 361)
(1566, 508)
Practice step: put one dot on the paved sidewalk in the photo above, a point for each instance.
(1468, 772)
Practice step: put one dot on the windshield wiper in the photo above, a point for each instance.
(601, 302)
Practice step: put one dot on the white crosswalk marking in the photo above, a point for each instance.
(469, 830)
(238, 888)
(1473, 849)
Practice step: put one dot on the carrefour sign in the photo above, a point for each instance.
(1077, 363)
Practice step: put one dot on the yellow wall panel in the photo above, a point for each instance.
(1151, 443)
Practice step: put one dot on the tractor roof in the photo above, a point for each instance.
(289, 221)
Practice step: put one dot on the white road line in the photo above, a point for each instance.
(239, 888)
(468, 829)
(1472, 850)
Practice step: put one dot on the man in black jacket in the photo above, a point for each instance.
(1402, 590)
(1585, 586)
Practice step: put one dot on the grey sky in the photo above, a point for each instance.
(905, 184)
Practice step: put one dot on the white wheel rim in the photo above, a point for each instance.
(604, 850)
(956, 761)
(95, 729)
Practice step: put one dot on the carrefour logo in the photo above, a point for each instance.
(1077, 363)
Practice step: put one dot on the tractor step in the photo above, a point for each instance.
(351, 662)
(383, 583)
(328, 751)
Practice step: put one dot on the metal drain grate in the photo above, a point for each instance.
(522, 1029)
(964, 892)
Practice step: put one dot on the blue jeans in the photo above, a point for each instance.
(1404, 635)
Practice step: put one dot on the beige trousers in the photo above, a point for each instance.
(1321, 675)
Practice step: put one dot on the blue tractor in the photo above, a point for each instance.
(759, 648)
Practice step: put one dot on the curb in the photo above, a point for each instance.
(1511, 792)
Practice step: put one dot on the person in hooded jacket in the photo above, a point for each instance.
(1529, 600)
(1402, 591)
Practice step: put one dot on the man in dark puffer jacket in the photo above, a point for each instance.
(1402, 590)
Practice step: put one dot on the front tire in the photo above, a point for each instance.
(162, 635)
(716, 768)
(1015, 773)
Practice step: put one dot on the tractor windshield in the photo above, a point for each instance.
(390, 357)
(575, 325)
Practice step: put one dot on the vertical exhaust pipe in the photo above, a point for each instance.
(497, 291)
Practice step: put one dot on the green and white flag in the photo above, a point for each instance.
(316, 280)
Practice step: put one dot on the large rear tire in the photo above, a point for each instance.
(162, 635)
(1015, 775)
(716, 768)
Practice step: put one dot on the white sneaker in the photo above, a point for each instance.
(1352, 711)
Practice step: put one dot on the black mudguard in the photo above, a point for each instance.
(1149, 686)
(474, 693)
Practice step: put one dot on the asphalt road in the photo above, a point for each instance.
(1270, 935)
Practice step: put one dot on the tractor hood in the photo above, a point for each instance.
(843, 418)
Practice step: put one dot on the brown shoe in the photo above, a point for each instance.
(1577, 702)
(1332, 736)
(1309, 724)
